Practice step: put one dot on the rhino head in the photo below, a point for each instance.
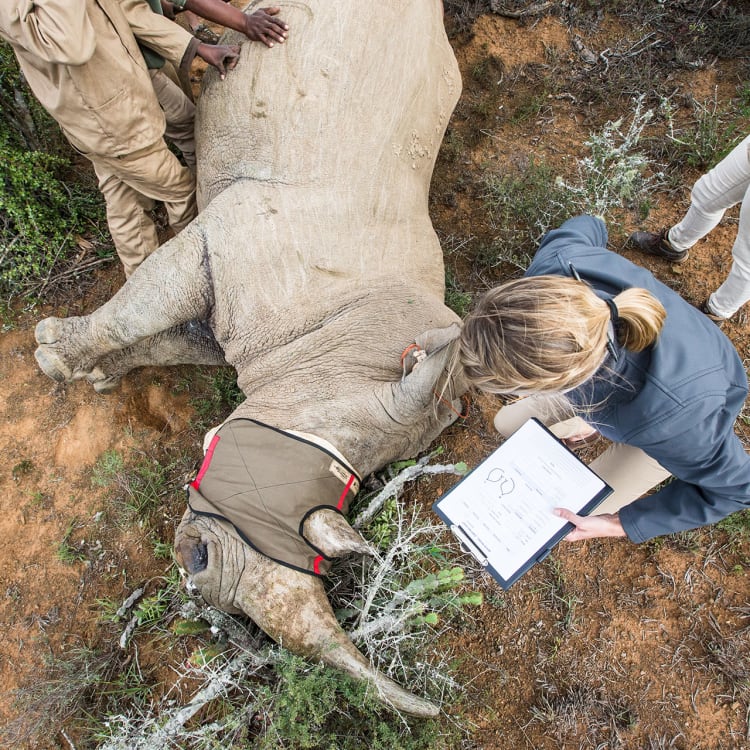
(289, 606)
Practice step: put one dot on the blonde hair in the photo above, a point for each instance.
(550, 333)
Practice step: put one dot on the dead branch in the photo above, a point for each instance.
(534, 9)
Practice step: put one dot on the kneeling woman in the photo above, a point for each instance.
(596, 343)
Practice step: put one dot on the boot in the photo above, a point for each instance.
(657, 244)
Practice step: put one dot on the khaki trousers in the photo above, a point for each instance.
(628, 470)
(131, 184)
(179, 112)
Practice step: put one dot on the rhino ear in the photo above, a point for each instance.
(427, 364)
(330, 532)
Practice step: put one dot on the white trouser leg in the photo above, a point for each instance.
(735, 291)
(719, 189)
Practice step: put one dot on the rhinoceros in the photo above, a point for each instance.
(311, 268)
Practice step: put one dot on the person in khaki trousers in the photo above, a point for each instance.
(82, 61)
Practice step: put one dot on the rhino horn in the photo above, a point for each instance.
(306, 625)
(289, 606)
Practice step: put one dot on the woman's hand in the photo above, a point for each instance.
(590, 527)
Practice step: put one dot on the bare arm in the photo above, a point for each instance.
(261, 26)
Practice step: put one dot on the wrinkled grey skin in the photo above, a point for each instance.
(312, 266)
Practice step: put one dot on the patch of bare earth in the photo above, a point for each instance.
(604, 645)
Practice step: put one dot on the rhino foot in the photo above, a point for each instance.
(49, 331)
(57, 355)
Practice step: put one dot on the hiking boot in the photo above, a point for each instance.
(657, 244)
(706, 310)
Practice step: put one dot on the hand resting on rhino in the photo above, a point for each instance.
(311, 268)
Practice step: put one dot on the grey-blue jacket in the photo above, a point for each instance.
(677, 400)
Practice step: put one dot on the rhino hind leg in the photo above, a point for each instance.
(191, 343)
(169, 289)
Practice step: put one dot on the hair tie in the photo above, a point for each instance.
(612, 327)
(613, 311)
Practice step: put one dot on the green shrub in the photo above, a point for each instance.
(41, 215)
(315, 708)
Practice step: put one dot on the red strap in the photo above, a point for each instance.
(196, 483)
(340, 503)
(339, 506)
(406, 351)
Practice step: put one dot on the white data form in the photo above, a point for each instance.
(502, 511)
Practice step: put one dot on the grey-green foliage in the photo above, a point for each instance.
(42, 211)
(613, 176)
(140, 487)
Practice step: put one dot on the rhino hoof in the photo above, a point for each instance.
(52, 365)
(102, 383)
(47, 331)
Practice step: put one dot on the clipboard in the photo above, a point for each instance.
(501, 512)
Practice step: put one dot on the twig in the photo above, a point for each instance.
(394, 487)
(159, 737)
(67, 739)
(129, 602)
(128, 632)
(73, 271)
(535, 9)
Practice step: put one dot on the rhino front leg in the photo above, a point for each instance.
(170, 288)
(191, 343)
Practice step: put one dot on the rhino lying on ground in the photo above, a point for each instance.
(311, 268)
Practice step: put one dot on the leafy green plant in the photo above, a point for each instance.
(67, 552)
(737, 526)
(521, 209)
(41, 216)
(711, 134)
(456, 298)
(311, 708)
(140, 487)
(215, 395)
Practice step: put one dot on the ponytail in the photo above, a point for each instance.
(640, 318)
(550, 334)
